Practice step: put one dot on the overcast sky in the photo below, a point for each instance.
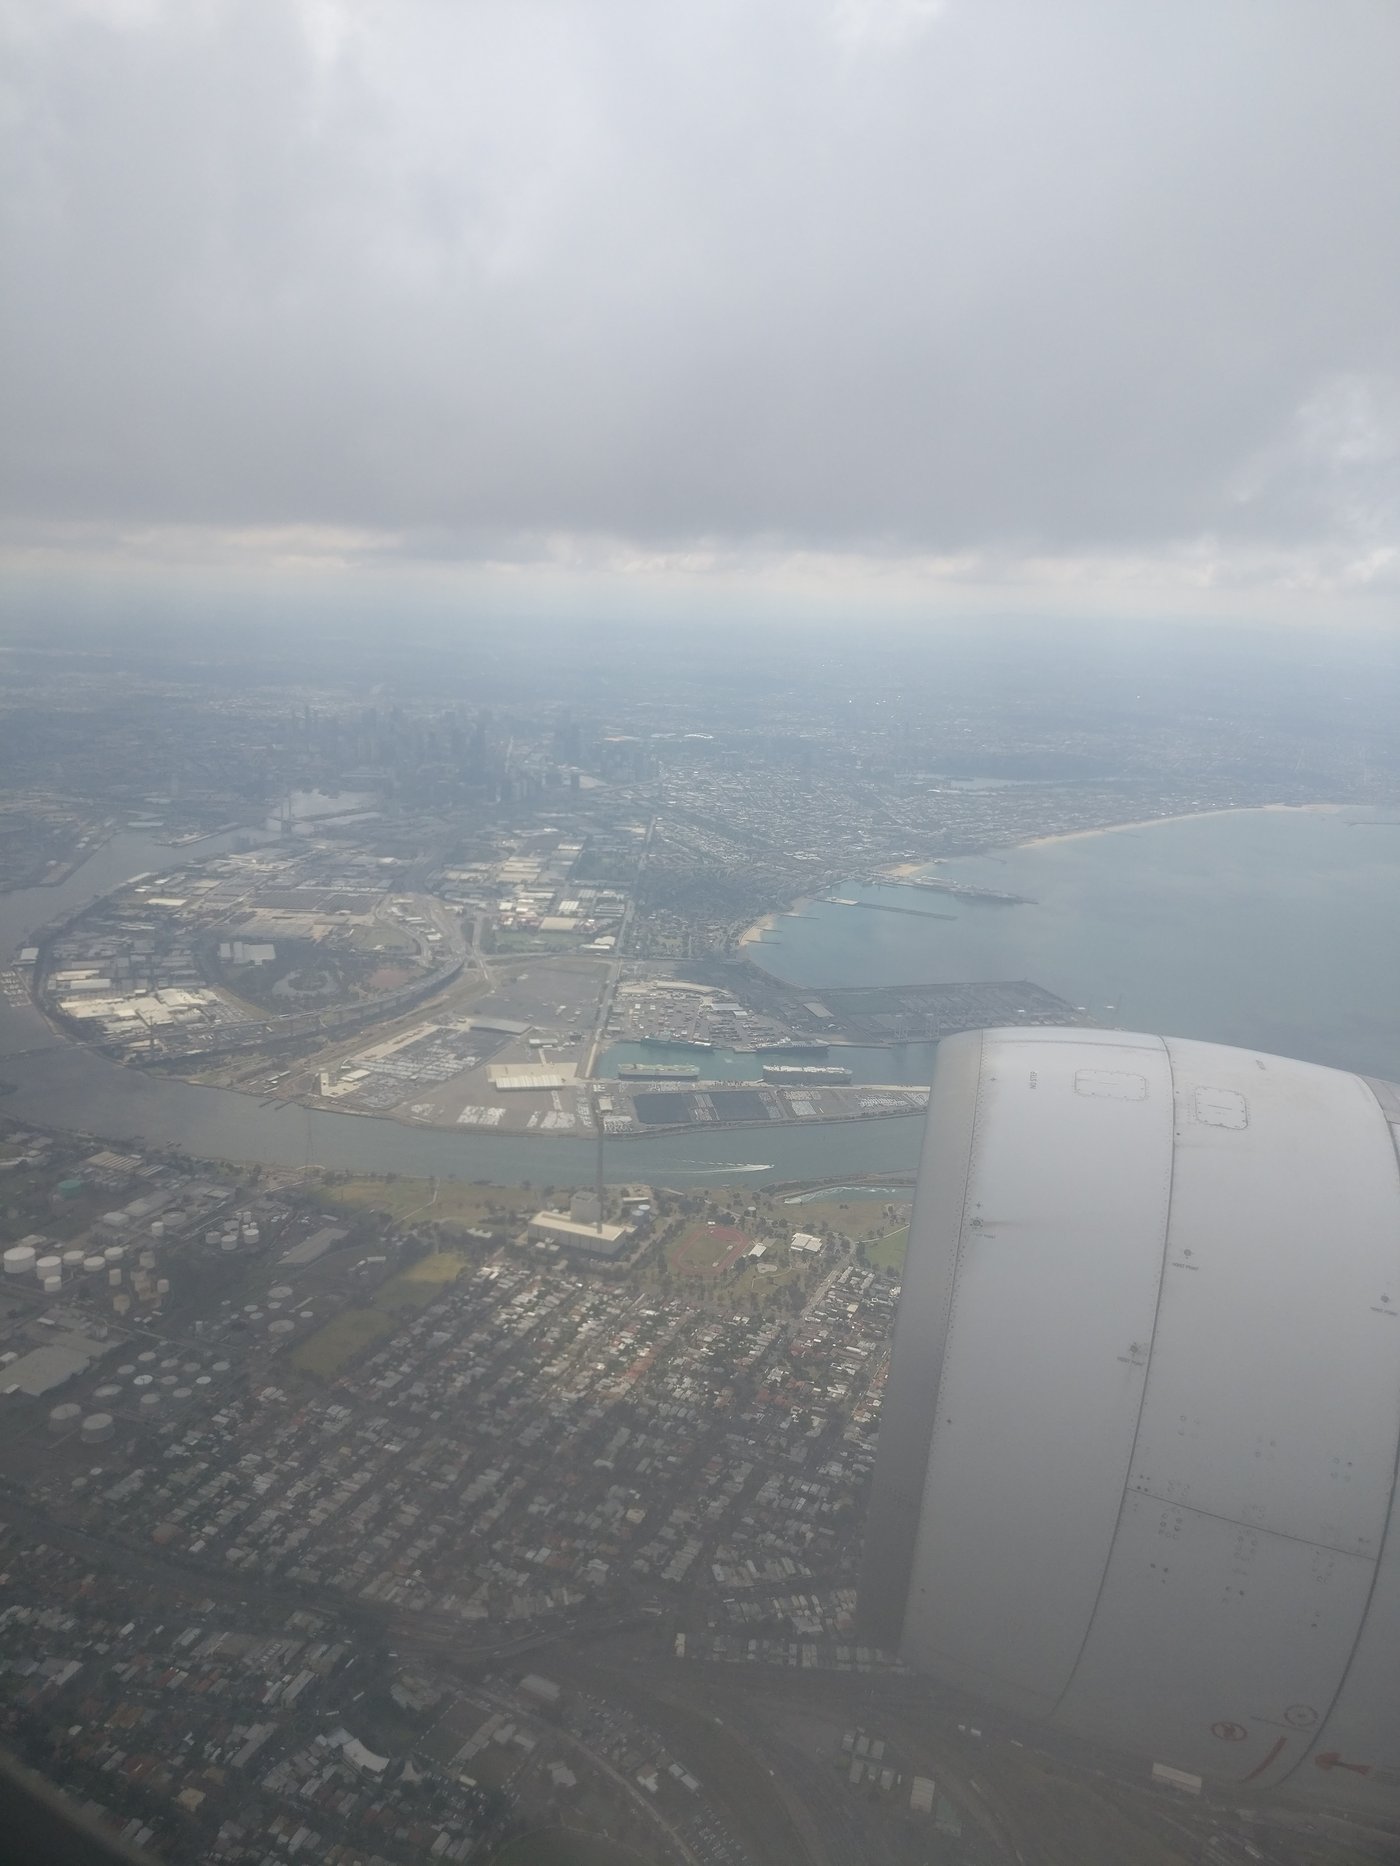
(1046, 305)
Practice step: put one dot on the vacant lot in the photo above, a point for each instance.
(705, 1250)
(853, 1218)
(887, 1253)
(355, 1330)
(663, 1107)
(443, 1201)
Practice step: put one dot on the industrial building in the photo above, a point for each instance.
(598, 1239)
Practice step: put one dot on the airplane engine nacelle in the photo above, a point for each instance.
(1137, 1462)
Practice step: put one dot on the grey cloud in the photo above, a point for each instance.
(985, 275)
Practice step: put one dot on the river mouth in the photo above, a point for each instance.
(1175, 926)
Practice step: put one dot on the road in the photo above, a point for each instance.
(614, 975)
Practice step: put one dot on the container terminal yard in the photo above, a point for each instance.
(309, 971)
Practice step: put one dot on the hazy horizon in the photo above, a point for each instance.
(888, 308)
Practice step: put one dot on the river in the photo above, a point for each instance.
(1273, 929)
(60, 1084)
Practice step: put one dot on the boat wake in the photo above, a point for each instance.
(721, 1166)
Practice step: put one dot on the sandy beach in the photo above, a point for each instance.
(901, 871)
(752, 935)
(1185, 816)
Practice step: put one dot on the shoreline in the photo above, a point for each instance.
(902, 871)
(1182, 816)
(753, 935)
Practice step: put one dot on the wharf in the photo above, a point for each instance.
(966, 890)
(889, 907)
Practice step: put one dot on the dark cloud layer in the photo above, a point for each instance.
(879, 276)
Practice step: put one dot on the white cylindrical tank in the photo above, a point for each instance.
(97, 1427)
(117, 1221)
(114, 1278)
(162, 1285)
(115, 1253)
(229, 1241)
(149, 1400)
(1136, 1476)
(64, 1418)
(72, 1261)
(19, 1260)
(157, 1228)
(91, 1265)
(51, 1285)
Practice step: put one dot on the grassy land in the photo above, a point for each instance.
(855, 1218)
(354, 1330)
(704, 1249)
(733, 1291)
(442, 1201)
(887, 1253)
(507, 943)
(379, 938)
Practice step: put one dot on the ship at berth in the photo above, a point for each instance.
(816, 1074)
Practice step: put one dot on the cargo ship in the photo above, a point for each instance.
(806, 1075)
(658, 1072)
